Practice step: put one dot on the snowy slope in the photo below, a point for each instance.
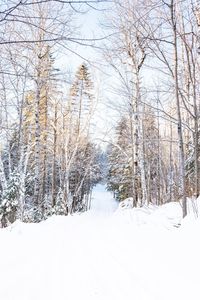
(104, 254)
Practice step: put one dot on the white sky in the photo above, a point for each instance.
(89, 24)
(105, 115)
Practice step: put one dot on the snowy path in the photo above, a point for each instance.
(98, 255)
(103, 203)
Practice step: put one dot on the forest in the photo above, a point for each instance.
(149, 56)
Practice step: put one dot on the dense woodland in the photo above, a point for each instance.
(49, 162)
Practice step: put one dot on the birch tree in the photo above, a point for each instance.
(128, 58)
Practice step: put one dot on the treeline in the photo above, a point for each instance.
(154, 51)
(48, 164)
(122, 180)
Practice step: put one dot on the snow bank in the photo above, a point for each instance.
(126, 204)
(166, 216)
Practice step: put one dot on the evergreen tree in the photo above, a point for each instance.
(119, 173)
(82, 96)
(10, 200)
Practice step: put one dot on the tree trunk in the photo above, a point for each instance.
(180, 130)
(54, 158)
(37, 142)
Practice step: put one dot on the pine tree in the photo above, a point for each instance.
(76, 132)
(9, 203)
(119, 170)
(82, 96)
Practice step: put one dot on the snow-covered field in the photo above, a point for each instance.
(104, 254)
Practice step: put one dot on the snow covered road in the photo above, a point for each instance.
(100, 255)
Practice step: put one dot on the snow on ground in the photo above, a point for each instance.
(104, 254)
